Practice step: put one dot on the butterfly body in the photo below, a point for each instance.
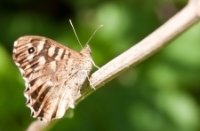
(53, 74)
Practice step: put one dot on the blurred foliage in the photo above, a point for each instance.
(160, 94)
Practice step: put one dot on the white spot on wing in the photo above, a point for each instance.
(26, 96)
(26, 81)
(53, 65)
(61, 110)
(26, 84)
(15, 43)
(51, 51)
(14, 50)
(41, 61)
(60, 51)
(17, 64)
(21, 71)
(40, 46)
(30, 57)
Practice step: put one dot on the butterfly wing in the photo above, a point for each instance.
(53, 74)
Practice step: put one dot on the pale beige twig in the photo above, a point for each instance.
(34, 126)
(148, 46)
(184, 19)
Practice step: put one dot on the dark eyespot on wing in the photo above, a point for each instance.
(31, 50)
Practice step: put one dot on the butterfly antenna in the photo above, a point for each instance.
(94, 34)
(75, 33)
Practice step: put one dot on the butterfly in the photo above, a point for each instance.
(54, 74)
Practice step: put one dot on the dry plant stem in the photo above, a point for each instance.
(148, 46)
(37, 126)
(142, 50)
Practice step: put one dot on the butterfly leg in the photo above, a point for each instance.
(93, 63)
(90, 83)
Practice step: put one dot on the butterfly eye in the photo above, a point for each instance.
(31, 50)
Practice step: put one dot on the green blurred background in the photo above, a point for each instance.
(160, 94)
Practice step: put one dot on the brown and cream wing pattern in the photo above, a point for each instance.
(53, 74)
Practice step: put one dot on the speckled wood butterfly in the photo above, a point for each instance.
(53, 74)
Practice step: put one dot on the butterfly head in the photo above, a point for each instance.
(86, 51)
